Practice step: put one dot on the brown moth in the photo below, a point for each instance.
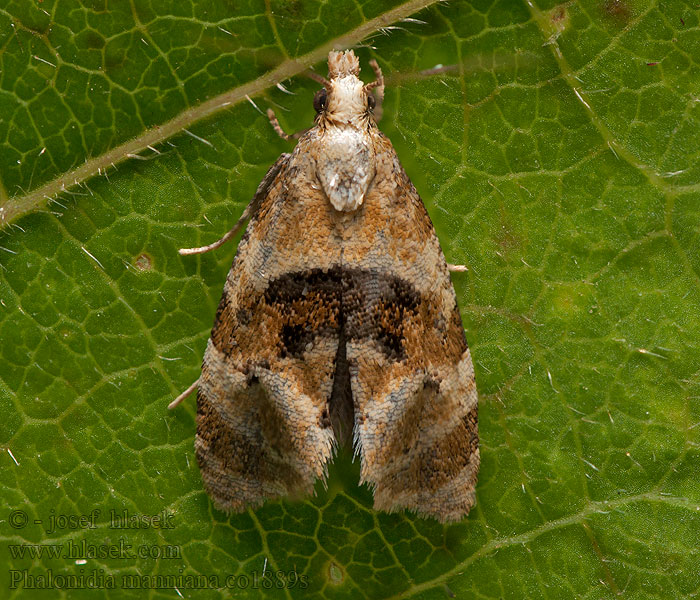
(338, 322)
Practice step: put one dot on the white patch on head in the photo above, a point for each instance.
(347, 102)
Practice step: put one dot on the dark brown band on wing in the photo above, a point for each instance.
(309, 305)
(306, 304)
(376, 306)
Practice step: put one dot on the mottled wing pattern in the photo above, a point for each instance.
(411, 373)
(336, 323)
(263, 428)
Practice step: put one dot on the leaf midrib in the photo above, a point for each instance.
(13, 208)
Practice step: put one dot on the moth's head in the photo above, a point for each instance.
(344, 98)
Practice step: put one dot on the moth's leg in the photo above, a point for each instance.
(249, 211)
(276, 125)
(184, 395)
(379, 89)
(456, 268)
(233, 231)
(278, 128)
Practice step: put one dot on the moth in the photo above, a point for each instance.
(338, 324)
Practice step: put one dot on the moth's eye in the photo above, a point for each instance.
(320, 100)
(371, 101)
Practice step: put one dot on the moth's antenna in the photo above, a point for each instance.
(379, 84)
(320, 79)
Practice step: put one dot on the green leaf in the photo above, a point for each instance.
(558, 153)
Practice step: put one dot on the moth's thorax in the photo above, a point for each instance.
(345, 165)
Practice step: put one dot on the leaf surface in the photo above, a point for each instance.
(558, 153)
